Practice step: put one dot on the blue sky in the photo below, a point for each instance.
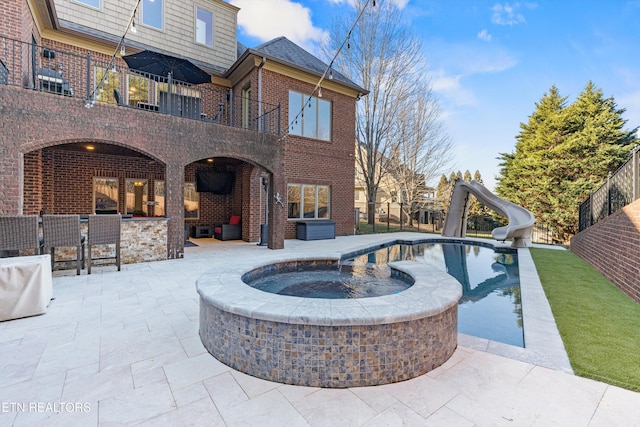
(489, 61)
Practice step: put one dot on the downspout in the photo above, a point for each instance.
(264, 60)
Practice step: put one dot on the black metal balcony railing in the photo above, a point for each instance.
(94, 79)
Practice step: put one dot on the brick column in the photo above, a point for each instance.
(11, 181)
(277, 211)
(174, 199)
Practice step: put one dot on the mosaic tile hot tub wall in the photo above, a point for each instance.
(329, 356)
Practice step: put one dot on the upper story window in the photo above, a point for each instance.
(204, 27)
(152, 13)
(314, 121)
(92, 3)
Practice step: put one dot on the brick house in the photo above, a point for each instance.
(83, 132)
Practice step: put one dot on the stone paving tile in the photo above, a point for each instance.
(126, 344)
(330, 406)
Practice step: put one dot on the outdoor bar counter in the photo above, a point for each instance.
(142, 239)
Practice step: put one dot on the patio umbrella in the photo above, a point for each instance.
(160, 64)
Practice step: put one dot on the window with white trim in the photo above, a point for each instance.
(152, 11)
(191, 201)
(105, 195)
(93, 3)
(312, 121)
(204, 27)
(308, 201)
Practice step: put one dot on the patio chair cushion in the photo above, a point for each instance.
(234, 220)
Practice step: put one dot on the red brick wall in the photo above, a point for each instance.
(311, 161)
(612, 245)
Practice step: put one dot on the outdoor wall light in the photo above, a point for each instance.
(90, 147)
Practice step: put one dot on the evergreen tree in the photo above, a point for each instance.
(563, 153)
(476, 208)
(477, 177)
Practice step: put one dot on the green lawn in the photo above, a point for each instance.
(599, 324)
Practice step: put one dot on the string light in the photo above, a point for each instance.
(329, 69)
(133, 23)
(131, 26)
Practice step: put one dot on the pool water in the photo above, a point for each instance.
(490, 306)
(331, 284)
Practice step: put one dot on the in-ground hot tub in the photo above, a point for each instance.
(330, 342)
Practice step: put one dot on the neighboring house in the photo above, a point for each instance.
(388, 197)
(83, 133)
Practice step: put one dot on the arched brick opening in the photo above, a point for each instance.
(32, 121)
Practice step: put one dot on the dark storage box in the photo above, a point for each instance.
(315, 230)
(198, 231)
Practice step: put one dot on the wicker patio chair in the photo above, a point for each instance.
(104, 230)
(19, 232)
(61, 231)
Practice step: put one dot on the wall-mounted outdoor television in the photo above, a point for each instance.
(209, 181)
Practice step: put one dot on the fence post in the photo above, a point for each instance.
(636, 171)
(388, 214)
(401, 215)
(609, 194)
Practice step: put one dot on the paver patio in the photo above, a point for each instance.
(122, 348)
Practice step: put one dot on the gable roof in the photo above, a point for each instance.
(288, 53)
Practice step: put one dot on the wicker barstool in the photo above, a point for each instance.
(104, 230)
(19, 232)
(61, 231)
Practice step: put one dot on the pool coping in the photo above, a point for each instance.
(432, 293)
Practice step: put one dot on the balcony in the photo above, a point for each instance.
(95, 79)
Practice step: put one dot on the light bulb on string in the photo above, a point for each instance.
(330, 73)
(106, 78)
(133, 26)
(122, 50)
(320, 92)
(114, 69)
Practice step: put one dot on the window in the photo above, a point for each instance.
(92, 3)
(138, 91)
(105, 195)
(246, 107)
(314, 121)
(190, 201)
(136, 197)
(307, 201)
(152, 13)
(110, 81)
(204, 27)
(158, 197)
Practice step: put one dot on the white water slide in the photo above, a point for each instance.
(520, 219)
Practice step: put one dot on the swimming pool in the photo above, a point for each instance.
(490, 306)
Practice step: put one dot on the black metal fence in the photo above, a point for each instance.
(393, 217)
(94, 78)
(621, 188)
